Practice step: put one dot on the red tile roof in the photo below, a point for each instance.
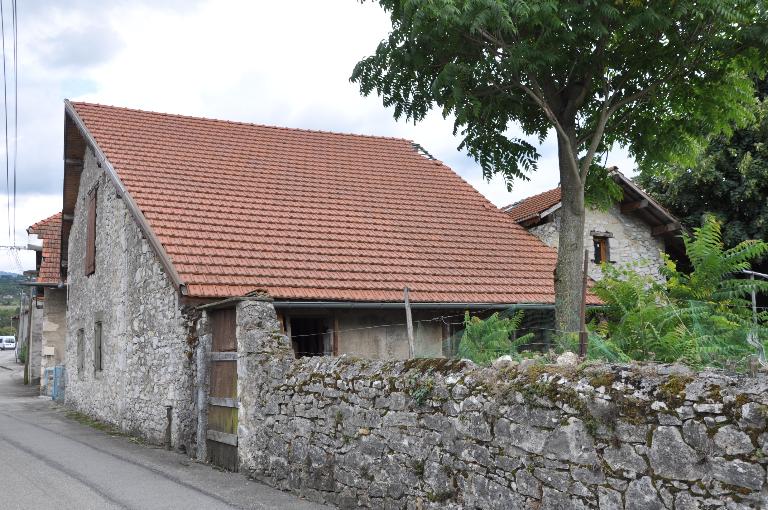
(313, 215)
(49, 230)
(532, 206)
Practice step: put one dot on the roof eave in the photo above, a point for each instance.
(659, 210)
(133, 207)
(424, 305)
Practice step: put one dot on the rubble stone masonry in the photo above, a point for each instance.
(146, 361)
(437, 433)
(631, 245)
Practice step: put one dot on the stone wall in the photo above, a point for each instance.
(54, 327)
(146, 356)
(632, 242)
(436, 433)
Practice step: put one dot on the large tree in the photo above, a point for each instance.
(656, 76)
(729, 180)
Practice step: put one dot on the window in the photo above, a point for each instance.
(90, 236)
(80, 351)
(97, 347)
(602, 253)
(311, 336)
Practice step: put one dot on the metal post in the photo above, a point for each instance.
(409, 321)
(754, 300)
(583, 308)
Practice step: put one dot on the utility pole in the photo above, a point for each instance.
(752, 337)
(583, 312)
(409, 321)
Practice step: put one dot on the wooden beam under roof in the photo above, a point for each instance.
(665, 229)
(628, 207)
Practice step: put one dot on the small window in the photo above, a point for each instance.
(90, 236)
(602, 253)
(80, 351)
(97, 347)
(311, 336)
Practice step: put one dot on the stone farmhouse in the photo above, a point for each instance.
(636, 231)
(42, 325)
(171, 225)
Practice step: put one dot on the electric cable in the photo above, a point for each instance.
(5, 115)
(15, 108)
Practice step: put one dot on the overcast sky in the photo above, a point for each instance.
(281, 63)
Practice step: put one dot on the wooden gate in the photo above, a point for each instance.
(221, 435)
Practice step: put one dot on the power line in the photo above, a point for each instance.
(5, 112)
(15, 107)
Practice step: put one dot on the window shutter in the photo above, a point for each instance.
(90, 238)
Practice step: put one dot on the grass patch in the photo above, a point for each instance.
(107, 428)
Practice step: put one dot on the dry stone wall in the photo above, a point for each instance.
(436, 433)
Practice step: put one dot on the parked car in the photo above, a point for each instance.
(7, 342)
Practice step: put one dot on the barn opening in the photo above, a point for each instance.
(311, 336)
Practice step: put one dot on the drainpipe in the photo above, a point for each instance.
(169, 421)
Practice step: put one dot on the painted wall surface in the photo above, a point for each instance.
(449, 434)
(632, 242)
(147, 361)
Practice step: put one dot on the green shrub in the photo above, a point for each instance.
(701, 318)
(486, 340)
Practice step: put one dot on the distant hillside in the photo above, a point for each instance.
(9, 287)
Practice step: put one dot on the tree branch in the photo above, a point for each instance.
(597, 136)
(539, 99)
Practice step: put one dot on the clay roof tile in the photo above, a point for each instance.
(315, 215)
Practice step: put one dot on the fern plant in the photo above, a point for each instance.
(486, 340)
(701, 318)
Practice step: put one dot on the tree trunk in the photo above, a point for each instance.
(570, 250)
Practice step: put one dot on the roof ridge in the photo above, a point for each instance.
(238, 123)
(507, 208)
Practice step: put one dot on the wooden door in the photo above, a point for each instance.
(221, 435)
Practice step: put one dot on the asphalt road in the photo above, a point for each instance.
(48, 460)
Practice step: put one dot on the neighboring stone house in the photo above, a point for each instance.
(170, 221)
(635, 231)
(43, 315)
(29, 331)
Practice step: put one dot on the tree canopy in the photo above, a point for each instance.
(670, 72)
(729, 180)
(656, 76)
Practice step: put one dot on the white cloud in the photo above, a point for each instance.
(282, 63)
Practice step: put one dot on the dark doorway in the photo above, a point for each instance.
(309, 336)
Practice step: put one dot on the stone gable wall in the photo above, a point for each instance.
(146, 358)
(436, 433)
(632, 242)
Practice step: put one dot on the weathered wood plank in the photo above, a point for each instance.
(222, 455)
(223, 402)
(222, 437)
(223, 379)
(223, 329)
(223, 356)
(223, 419)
